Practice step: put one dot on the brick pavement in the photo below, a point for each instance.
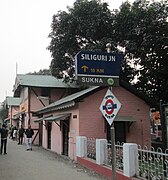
(39, 164)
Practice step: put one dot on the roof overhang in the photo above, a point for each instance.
(68, 101)
(38, 120)
(17, 116)
(57, 117)
(124, 119)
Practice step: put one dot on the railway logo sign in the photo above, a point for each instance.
(110, 107)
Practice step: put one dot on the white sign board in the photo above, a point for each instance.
(110, 107)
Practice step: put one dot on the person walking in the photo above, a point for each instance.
(4, 135)
(11, 132)
(15, 134)
(21, 134)
(29, 133)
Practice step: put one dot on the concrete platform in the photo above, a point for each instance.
(40, 164)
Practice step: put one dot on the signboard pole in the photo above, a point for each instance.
(113, 149)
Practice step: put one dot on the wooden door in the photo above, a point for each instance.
(49, 135)
(41, 134)
(65, 136)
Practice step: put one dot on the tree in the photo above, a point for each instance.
(145, 39)
(87, 25)
(140, 29)
(3, 112)
(42, 72)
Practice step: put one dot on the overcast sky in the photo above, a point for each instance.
(24, 27)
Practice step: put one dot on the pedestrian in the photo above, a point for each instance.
(4, 135)
(21, 134)
(15, 134)
(11, 132)
(29, 133)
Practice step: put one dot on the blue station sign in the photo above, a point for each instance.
(98, 63)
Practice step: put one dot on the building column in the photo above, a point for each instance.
(81, 146)
(101, 151)
(130, 159)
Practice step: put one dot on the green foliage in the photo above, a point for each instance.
(42, 72)
(88, 25)
(3, 112)
(141, 29)
(146, 41)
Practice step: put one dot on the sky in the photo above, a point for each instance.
(24, 29)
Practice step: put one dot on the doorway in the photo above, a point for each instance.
(120, 132)
(65, 136)
(49, 135)
(41, 133)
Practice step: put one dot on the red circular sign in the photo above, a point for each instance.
(109, 106)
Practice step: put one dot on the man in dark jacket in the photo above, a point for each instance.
(21, 134)
(4, 135)
(29, 133)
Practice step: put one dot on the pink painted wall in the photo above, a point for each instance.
(35, 104)
(56, 134)
(44, 137)
(87, 120)
(57, 94)
(56, 139)
(74, 131)
(12, 111)
(139, 131)
(91, 122)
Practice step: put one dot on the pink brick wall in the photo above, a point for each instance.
(92, 122)
(12, 111)
(87, 120)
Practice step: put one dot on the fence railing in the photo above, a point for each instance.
(119, 155)
(91, 153)
(91, 148)
(149, 163)
(153, 164)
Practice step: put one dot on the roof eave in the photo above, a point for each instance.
(57, 107)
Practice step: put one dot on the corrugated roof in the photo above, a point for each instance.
(57, 117)
(31, 80)
(39, 120)
(13, 101)
(66, 102)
